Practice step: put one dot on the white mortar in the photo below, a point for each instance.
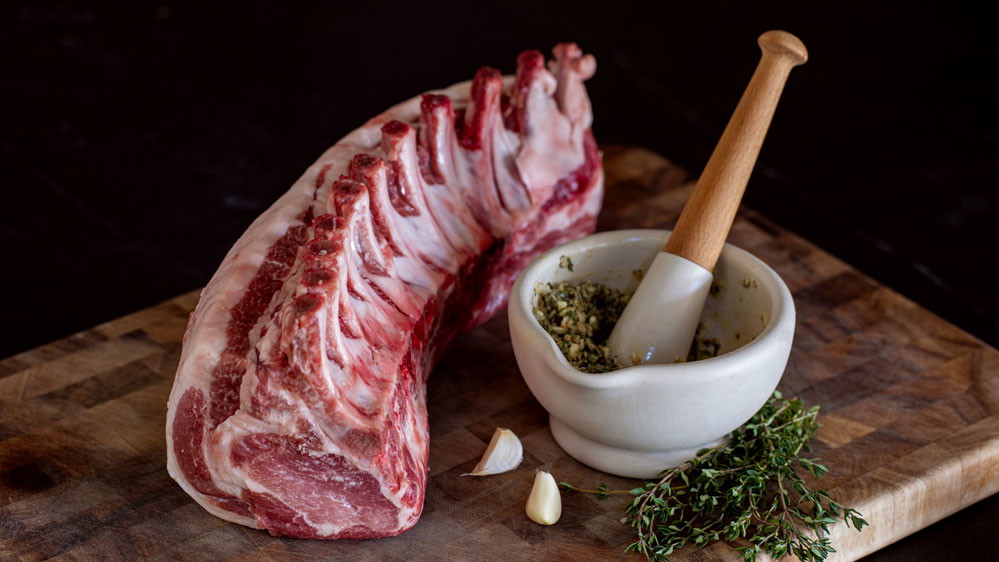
(640, 420)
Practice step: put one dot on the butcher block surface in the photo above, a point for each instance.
(910, 414)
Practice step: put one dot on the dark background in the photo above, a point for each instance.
(138, 141)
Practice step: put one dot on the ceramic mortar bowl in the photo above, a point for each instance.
(639, 420)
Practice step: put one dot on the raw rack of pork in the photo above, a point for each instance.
(299, 405)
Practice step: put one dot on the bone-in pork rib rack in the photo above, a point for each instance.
(299, 404)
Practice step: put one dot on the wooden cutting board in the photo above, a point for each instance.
(910, 411)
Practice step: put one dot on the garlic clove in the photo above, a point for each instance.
(504, 453)
(544, 506)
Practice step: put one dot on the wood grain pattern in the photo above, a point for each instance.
(910, 413)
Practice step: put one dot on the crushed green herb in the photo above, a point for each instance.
(580, 318)
(715, 288)
(565, 262)
(703, 348)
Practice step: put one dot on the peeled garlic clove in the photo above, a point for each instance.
(544, 506)
(503, 453)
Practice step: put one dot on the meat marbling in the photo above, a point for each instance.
(299, 404)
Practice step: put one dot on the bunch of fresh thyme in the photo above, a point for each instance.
(747, 490)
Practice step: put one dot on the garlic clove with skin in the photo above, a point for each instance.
(544, 505)
(503, 454)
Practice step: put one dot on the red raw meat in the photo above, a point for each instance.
(300, 400)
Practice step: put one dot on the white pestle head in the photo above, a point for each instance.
(671, 298)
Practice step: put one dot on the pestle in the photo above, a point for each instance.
(659, 323)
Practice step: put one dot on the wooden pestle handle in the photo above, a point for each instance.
(708, 215)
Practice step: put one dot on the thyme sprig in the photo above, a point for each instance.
(747, 490)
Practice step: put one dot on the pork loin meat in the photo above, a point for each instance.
(299, 405)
